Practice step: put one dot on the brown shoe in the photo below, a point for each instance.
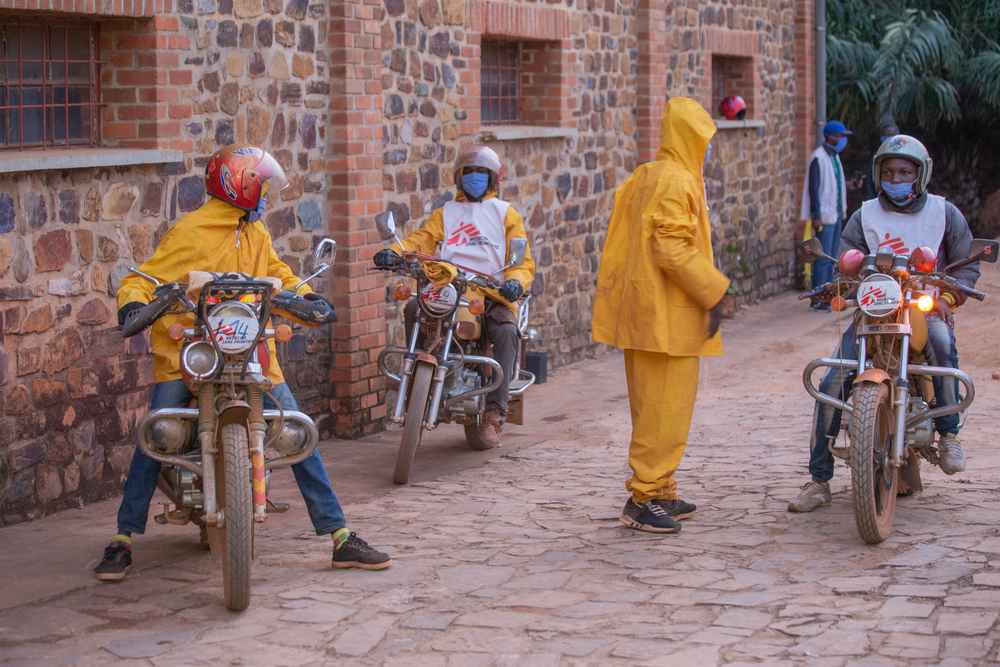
(490, 428)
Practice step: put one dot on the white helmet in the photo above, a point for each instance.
(909, 148)
(478, 155)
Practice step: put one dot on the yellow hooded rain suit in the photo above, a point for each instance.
(656, 284)
(204, 240)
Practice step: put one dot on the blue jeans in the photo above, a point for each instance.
(324, 510)
(822, 269)
(940, 351)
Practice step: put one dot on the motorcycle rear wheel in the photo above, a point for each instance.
(873, 480)
(413, 422)
(233, 490)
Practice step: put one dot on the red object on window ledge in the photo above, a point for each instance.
(733, 108)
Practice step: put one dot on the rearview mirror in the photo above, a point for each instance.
(812, 250)
(327, 248)
(386, 225)
(983, 251)
(518, 251)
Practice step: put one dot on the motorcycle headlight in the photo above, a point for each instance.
(879, 295)
(290, 440)
(234, 325)
(200, 360)
(439, 301)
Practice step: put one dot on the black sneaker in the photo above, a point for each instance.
(649, 517)
(116, 562)
(357, 553)
(677, 509)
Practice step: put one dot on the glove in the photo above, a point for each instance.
(128, 309)
(714, 320)
(942, 310)
(387, 258)
(312, 296)
(511, 290)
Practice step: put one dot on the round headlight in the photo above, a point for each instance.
(234, 325)
(439, 301)
(291, 439)
(167, 435)
(200, 360)
(879, 295)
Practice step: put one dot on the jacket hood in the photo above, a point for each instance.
(685, 132)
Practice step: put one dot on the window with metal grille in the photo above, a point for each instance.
(50, 91)
(501, 82)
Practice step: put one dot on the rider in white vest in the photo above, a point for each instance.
(474, 232)
(903, 217)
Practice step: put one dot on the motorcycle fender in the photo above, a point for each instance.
(873, 375)
(515, 411)
(232, 412)
(427, 358)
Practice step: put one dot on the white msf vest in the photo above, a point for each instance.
(828, 185)
(474, 234)
(904, 231)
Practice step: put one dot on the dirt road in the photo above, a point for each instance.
(516, 557)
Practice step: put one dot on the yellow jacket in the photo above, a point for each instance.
(426, 239)
(204, 240)
(657, 279)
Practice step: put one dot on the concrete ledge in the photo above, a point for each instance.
(739, 124)
(515, 132)
(82, 158)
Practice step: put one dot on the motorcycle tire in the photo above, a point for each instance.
(233, 489)
(909, 476)
(413, 422)
(473, 438)
(874, 481)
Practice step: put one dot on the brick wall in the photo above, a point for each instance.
(365, 103)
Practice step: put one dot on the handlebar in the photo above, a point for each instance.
(139, 320)
(310, 313)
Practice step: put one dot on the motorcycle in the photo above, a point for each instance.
(215, 471)
(892, 402)
(447, 378)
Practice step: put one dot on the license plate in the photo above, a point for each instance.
(875, 329)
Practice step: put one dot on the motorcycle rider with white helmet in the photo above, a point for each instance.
(904, 216)
(475, 231)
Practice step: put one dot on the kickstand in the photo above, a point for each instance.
(277, 508)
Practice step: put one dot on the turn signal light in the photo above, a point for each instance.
(477, 307)
(925, 303)
(403, 291)
(838, 303)
(175, 331)
(282, 333)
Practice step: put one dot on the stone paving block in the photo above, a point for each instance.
(542, 599)
(854, 584)
(970, 648)
(475, 575)
(749, 599)
(643, 649)
(542, 660)
(360, 639)
(908, 645)
(986, 579)
(981, 599)
(917, 590)
(924, 554)
(25, 625)
(151, 644)
(591, 609)
(719, 636)
(743, 618)
(702, 656)
(902, 607)
(318, 613)
(429, 621)
(577, 647)
(966, 623)
(836, 642)
(542, 580)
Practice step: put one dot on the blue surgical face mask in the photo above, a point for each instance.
(899, 193)
(708, 153)
(839, 146)
(475, 184)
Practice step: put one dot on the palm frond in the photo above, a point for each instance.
(981, 78)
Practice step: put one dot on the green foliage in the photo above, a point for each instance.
(932, 65)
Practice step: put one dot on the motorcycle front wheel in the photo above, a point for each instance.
(873, 479)
(233, 490)
(413, 422)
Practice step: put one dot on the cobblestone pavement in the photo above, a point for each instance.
(521, 561)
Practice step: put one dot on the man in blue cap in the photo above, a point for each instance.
(824, 200)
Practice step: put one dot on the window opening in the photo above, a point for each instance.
(501, 77)
(50, 91)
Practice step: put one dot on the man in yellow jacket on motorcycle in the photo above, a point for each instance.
(475, 232)
(657, 298)
(224, 235)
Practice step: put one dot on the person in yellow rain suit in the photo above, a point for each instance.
(658, 296)
(223, 235)
(475, 232)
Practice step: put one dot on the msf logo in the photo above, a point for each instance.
(872, 297)
(897, 244)
(463, 234)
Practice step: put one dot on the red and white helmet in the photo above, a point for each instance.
(236, 174)
(733, 108)
(478, 155)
